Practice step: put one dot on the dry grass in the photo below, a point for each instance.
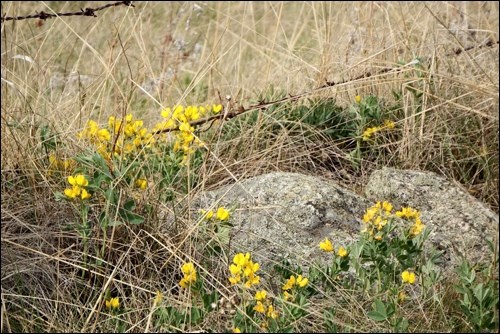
(139, 60)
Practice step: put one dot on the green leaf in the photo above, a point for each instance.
(377, 316)
(129, 205)
(131, 217)
(379, 312)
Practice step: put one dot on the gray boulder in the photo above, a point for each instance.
(459, 223)
(284, 216)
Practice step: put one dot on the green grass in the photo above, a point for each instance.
(62, 259)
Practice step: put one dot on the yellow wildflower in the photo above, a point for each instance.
(141, 184)
(302, 281)
(342, 252)
(259, 307)
(216, 108)
(358, 98)
(189, 272)
(113, 303)
(208, 214)
(287, 296)
(387, 207)
(290, 283)
(236, 330)
(370, 132)
(408, 277)
(260, 295)
(326, 245)
(222, 214)
(271, 312)
(389, 124)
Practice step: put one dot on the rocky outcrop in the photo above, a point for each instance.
(284, 216)
(459, 224)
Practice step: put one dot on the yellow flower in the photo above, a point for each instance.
(208, 214)
(78, 180)
(259, 307)
(408, 213)
(188, 268)
(408, 277)
(113, 303)
(342, 252)
(387, 207)
(370, 214)
(302, 281)
(72, 192)
(85, 194)
(326, 245)
(216, 108)
(241, 259)
(389, 124)
(235, 279)
(417, 228)
(104, 135)
(287, 296)
(250, 268)
(189, 275)
(184, 283)
(290, 283)
(243, 265)
(271, 312)
(358, 98)
(141, 184)
(252, 280)
(236, 330)
(186, 128)
(260, 295)
(369, 132)
(222, 214)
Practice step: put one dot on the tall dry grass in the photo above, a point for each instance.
(62, 72)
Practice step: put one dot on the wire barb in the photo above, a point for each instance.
(83, 12)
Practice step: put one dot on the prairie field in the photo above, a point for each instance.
(112, 122)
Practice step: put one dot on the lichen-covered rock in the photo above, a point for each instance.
(284, 216)
(459, 223)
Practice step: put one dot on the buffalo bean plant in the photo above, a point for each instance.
(390, 268)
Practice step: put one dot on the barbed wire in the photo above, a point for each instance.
(262, 104)
(83, 12)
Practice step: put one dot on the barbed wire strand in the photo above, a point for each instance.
(261, 105)
(83, 12)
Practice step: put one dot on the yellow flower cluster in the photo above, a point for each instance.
(127, 136)
(222, 214)
(243, 268)
(292, 282)
(326, 245)
(185, 138)
(408, 277)
(410, 213)
(78, 183)
(61, 165)
(263, 305)
(141, 184)
(189, 272)
(375, 218)
(113, 303)
(369, 132)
